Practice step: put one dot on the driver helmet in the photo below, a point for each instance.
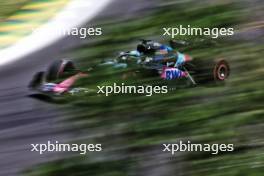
(141, 48)
(148, 47)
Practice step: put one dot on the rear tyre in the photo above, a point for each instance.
(221, 71)
(59, 69)
(209, 71)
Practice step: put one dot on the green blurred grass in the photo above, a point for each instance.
(232, 113)
(8, 7)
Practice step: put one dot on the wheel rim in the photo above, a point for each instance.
(222, 72)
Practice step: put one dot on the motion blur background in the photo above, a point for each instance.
(132, 128)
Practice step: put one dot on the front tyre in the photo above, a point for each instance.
(59, 69)
(37, 80)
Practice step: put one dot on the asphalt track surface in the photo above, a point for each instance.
(24, 120)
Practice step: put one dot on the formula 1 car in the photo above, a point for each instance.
(62, 75)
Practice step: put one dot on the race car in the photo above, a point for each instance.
(150, 59)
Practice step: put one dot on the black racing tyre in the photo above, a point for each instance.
(209, 71)
(59, 69)
(37, 80)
